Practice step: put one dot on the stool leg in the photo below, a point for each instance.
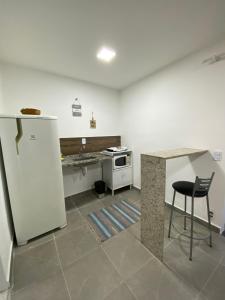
(185, 211)
(192, 225)
(209, 221)
(171, 213)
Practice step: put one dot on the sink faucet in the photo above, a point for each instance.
(82, 147)
(81, 152)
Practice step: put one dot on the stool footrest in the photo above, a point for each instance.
(195, 237)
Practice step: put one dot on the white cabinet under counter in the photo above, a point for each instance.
(119, 176)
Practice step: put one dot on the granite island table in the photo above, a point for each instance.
(153, 182)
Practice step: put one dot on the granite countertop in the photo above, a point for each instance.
(77, 161)
(172, 153)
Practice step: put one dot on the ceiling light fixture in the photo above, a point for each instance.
(106, 54)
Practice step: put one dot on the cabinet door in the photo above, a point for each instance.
(122, 177)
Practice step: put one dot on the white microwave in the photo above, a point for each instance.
(121, 161)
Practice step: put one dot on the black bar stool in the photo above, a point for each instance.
(194, 190)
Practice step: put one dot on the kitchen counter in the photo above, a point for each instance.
(153, 182)
(173, 153)
(90, 158)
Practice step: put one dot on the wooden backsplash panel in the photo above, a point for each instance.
(71, 146)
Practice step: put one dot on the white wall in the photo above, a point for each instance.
(180, 106)
(5, 228)
(54, 95)
(1, 95)
(5, 233)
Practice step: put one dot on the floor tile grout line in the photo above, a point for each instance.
(131, 291)
(26, 286)
(211, 276)
(40, 259)
(71, 211)
(171, 269)
(122, 282)
(83, 255)
(187, 281)
(169, 243)
(180, 277)
(79, 212)
(78, 227)
(117, 271)
(95, 200)
(207, 254)
(122, 279)
(138, 269)
(89, 226)
(139, 242)
(71, 230)
(17, 252)
(60, 263)
(87, 204)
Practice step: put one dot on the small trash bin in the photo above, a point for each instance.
(100, 188)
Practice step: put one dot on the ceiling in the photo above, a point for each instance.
(63, 36)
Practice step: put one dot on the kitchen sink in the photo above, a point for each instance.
(84, 158)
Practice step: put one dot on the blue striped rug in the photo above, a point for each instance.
(110, 220)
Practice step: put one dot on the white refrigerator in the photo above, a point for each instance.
(31, 157)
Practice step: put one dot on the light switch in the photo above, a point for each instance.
(217, 155)
(83, 141)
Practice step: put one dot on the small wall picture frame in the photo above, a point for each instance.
(76, 108)
(92, 122)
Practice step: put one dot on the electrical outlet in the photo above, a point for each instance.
(217, 155)
(83, 141)
(211, 213)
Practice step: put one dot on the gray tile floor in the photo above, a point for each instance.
(72, 264)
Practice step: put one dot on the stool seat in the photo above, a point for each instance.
(199, 188)
(186, 188)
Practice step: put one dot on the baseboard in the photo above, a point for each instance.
(10, 265)
(8, 280)
(215, 228)
(80, 193)
(9, 269)
(136, 188)
(5, 295)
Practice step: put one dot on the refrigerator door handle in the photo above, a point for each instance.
(19, 134)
